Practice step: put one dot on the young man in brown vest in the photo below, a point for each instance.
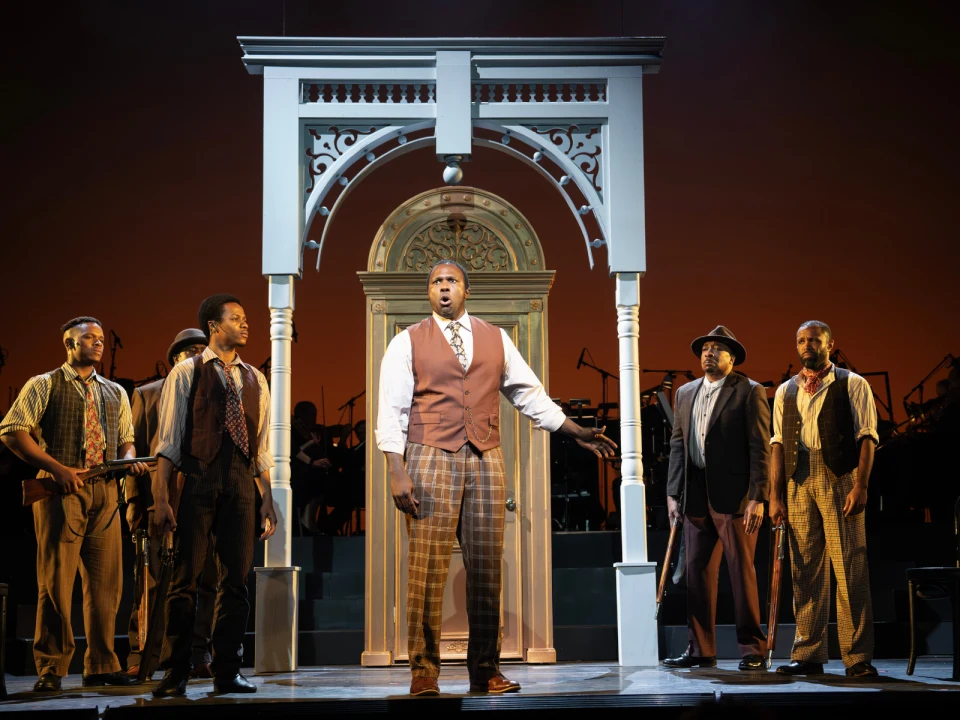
(80, 419)
(438, 425)
(824, 434)
(214, 415)
(146, 402)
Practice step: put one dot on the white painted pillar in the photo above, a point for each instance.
(276, 620)
(636, 576)
(277, 551)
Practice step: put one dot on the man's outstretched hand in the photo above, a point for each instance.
(592, 439)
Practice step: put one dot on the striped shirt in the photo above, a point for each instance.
(28, 409)
(703, 405)
(175, 401)
(519, 384)
(861, 403)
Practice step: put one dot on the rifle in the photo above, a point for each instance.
(141, 580)
(150, 649)
(662, 588)
(35, 489)
(774, 595)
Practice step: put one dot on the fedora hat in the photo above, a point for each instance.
(186, 338)
(721, 334)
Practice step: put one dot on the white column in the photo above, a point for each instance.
(276, 619)
(277, 551)
(636, 576)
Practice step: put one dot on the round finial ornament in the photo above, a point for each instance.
(453, 173)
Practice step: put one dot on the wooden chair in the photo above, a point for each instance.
(947, 580)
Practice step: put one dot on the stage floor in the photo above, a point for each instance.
(553, 688)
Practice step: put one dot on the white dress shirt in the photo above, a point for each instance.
(175, 398)
(518, 383)
(861, 403)
(703, 405)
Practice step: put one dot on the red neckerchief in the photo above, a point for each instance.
(811, 380)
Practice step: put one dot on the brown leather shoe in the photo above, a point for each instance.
(424, 686)
(201, 671)
(497, 684)
(133, 670)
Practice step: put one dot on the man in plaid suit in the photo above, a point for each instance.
(439, 427)
(824, 435)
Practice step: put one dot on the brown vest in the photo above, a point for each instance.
(451, 407)
(208, 410)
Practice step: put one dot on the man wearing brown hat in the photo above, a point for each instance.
(719, 465)
(146, 398)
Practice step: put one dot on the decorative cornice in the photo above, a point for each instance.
(259, 52)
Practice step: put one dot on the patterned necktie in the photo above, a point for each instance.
(456, 342)
(810, 380)
(94, 443)
(235, 422)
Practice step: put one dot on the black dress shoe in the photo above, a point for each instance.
(690, 661)
(173, 683)
(234, 684)
(111, 678)
(862, 669)
(48, 682)
(801, 667)
(752, 662)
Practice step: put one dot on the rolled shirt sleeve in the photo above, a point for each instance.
(395, 395)
(863, 407)
(125, 421)
(777, 438)
(264, 459)
(172, 412)
(28, 408)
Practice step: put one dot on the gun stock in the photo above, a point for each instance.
(35, 489)
(662, 587)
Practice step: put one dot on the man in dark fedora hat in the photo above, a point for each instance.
(717, 483)
(146, 398)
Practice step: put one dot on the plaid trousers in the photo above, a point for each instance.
(820, 536)
(460, 493)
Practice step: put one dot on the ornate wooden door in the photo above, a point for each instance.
(509, 289)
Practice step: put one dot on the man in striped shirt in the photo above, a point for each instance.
(719, 468)
(214, 415)
(79, 419)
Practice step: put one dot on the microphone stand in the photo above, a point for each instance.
(920, 384)
(348, 408)
(605, 376)
(114, 343)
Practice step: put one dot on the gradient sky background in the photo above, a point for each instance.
(801, 162)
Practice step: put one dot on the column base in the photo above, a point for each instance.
(636, 606)
(276, 620)
(376, 659)
(541, 656)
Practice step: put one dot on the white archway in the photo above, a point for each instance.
(353, 101)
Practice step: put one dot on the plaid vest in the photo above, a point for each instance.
(834, 423)
(63, 421)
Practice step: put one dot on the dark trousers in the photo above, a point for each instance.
(220, 501)
(707, 538)
(206, 602)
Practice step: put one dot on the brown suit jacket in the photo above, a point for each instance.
(737, 445)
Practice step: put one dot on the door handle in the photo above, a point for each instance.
(511, 504)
